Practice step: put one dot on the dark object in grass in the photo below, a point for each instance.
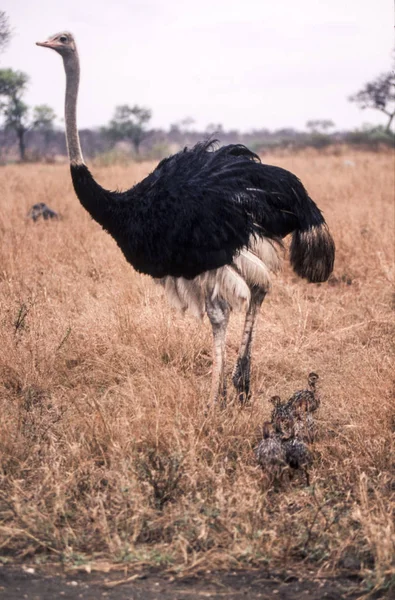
(270, 452)
(298, 456)
(296, 414)
(41, 210)
(309, 397)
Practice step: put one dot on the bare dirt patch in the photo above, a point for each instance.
(254, 585)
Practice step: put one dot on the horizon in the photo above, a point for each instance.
(258, 57)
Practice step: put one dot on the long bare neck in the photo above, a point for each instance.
(72, 69)
(97, 201)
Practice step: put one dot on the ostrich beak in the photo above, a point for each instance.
(46, 44)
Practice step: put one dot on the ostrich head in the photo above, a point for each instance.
(62, 42)
(275, 400)
(312, 380)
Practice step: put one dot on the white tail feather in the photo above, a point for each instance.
(252, 267)
(228, 284)
(253, 270)
(267, 251)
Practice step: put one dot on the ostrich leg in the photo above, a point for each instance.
(241, 372)
(218, 314)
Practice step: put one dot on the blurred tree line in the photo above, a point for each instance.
(31, 133)
(17, 117)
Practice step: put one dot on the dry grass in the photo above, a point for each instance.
(106, 452)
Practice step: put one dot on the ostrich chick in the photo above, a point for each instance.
(41, 210)
(270, 453)
(298, 456)
(281, 417)
(303, 426)
(305, 400)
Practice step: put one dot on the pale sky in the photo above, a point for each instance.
(246, 64)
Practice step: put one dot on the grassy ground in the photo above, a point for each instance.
(106, 451)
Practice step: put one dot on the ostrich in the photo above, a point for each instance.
(271, 452)
(306, 428)
(207, 223)
(281, 416)
(305, 400)
(296, 414)
(41, 210)
(298, 456)
(302, 422)
(277, 451)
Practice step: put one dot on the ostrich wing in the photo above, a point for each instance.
(200, 207)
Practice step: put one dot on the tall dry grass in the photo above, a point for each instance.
(106, 450)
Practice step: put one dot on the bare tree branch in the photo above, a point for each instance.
(378, 94)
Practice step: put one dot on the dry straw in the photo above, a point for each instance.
(106, 450)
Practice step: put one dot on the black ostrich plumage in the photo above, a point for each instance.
(201, 206)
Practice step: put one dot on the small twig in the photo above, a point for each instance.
(361, 324)
(19, 322)
(113, 584)
(64, 339)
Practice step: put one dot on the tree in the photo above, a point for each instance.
(5, 30)
(15, 118)
(186, 124)
(12, 83)
(16, 113)
(320, 125)
(129, 124)
(378, 94)
(12, 86)
(214, 129)
(319, 135)
(43, 118)
(43, 121)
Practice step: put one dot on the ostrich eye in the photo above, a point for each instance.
(63, 39)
